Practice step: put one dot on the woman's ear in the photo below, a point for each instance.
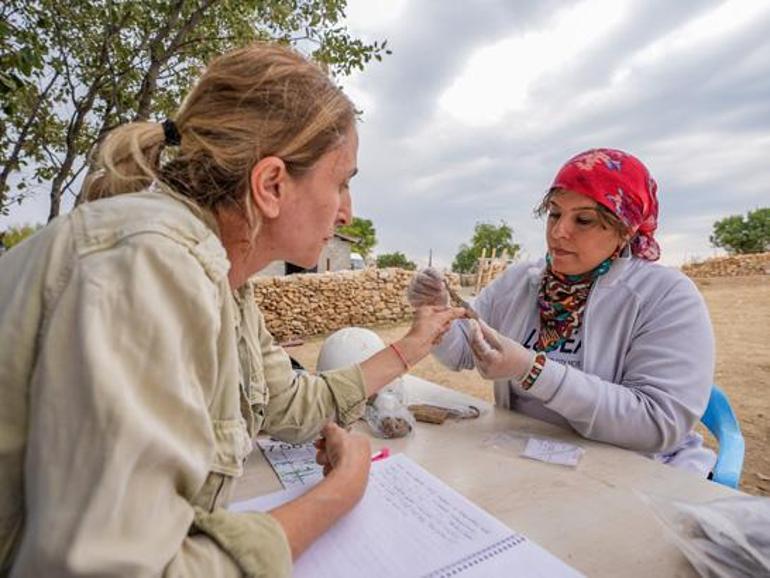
(267, 186)
(625, 240)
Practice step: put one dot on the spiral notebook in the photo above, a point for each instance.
(411, 524)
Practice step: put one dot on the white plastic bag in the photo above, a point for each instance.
(387, 414)
(725, 538)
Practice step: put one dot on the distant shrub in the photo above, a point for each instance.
(16, 234)
(396, 259)
(739, 234)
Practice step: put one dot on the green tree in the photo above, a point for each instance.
(363, 231)
(396, 259)
(95, 65)
(739, 234)
(21, 56)
(466, 259)
(16, 234)
(485, 236)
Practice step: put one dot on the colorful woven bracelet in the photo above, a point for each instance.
(538, 363)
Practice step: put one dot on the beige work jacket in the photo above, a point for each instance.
(132, 382)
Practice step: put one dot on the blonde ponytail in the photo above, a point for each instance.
(261, 100)
(127, 161)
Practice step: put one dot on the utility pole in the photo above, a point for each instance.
(430, 257)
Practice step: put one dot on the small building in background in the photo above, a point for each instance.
(337, 255)
(357, 262)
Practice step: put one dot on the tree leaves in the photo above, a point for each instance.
(485, 236)
(739, 234)
(71, 71)
(363, 231)
(397, 259)
(16, 234)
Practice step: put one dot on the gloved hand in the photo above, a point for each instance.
(497, 356)
(427, 288)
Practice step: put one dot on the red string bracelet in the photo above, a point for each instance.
(401, 356)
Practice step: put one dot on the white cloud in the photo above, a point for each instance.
(371, 16)
(722, 22)
(454, 171)
(450, 138)
(498, 78)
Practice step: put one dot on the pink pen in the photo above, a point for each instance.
(381, 455)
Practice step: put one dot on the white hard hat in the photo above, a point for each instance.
(348, 346)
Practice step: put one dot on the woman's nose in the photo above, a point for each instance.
(560, 229)
(345, 213)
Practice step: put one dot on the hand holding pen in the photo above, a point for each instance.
(339, 449)
(381, 455)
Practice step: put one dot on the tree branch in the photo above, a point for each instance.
(13, 159)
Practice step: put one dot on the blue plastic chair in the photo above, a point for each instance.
(720, 420)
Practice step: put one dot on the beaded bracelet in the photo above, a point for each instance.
(538, 363)
(401, 356)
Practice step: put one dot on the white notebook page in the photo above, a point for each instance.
(410, 523)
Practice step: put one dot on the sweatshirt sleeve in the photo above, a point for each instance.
(666, 378)
(120, 441)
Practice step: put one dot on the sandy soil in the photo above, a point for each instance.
(740, 312)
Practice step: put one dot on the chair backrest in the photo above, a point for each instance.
(720, 419)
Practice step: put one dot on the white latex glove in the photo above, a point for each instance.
(427, 288)
(497, 356)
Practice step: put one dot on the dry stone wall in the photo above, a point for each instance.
(313, 304)
(732, 266)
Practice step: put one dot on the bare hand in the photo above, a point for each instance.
(497, 356)
(429, 325)
(427, 288)
(339, 449)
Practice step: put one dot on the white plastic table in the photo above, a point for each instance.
(591, 516)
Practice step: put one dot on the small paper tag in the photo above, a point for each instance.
(553, 452)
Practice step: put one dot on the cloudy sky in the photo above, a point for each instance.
(481, 102)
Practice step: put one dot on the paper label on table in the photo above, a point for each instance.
(553, 452)
(294, 464)
(411, 524)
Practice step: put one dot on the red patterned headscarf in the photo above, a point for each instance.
(622, 184)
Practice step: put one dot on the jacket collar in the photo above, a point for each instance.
(205, 215)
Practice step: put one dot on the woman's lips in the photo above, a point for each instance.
(561, 252)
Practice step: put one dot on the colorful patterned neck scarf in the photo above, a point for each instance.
(562, 301)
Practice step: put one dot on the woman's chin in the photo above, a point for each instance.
(565, 266)
(306, 261)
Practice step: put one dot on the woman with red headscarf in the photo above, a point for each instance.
(598, 337)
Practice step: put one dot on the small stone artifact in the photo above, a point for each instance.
(394, 427)
(437, 414)
(458, 301)
(429, 413)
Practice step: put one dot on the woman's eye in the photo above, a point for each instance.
(585, 221)
(553, 216)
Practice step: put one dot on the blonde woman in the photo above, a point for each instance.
(135, 365)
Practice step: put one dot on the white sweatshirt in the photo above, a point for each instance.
(639, 372)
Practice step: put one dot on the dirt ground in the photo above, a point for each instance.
(740, 312)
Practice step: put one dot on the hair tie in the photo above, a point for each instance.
(171, 133)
